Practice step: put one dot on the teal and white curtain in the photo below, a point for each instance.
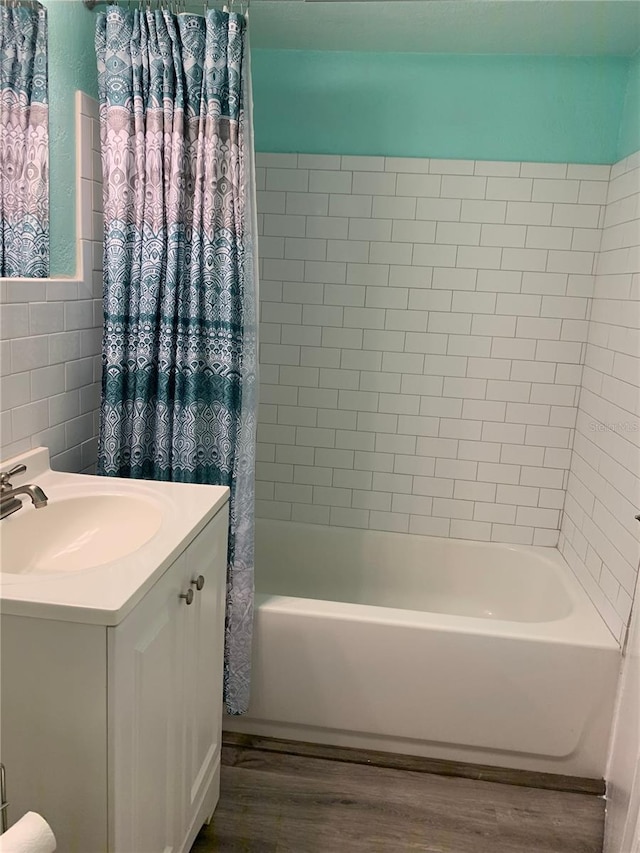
(179, 347)
(24, 142)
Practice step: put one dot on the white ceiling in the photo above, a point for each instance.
(559, 27)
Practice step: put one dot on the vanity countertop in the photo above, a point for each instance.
(174, 514)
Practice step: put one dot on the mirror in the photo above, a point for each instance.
(71, 65)
(24, 140)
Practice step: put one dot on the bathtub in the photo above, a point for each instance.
(443, 648)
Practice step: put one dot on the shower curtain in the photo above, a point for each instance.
(179, 346)
(24, 142)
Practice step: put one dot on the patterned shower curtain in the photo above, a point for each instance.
(179, 346)
(24, 142)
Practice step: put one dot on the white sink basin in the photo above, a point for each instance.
(100, 543)
(77, 533)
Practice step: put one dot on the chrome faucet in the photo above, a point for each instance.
(9, 497)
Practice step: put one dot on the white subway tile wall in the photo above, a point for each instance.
(424, 325)
(600, 536)
(50, 334)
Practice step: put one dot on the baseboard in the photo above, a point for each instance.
(439, 767)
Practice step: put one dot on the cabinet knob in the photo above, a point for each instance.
(198, 582)
(188, 596)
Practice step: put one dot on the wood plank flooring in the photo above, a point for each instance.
(282, 803)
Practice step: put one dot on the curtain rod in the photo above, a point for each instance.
(179, 5)
(12, 4)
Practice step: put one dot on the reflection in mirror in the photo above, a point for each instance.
(24, 140)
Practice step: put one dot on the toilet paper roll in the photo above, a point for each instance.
(31, 834)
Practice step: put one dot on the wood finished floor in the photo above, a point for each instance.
(275, 803)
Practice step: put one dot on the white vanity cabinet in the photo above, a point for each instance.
(165, 703)
(113, 732)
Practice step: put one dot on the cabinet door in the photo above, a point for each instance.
(204, 632)
(145, 688)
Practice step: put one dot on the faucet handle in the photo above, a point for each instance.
(5, 476)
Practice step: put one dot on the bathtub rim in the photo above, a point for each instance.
(583, 626)
(569, 631)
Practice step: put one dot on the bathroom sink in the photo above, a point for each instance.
(76, 533)
(99, 544)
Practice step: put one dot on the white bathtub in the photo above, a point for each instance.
(467, 651)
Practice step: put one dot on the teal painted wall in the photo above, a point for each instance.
(72, 66)
(629, 140)
(548, 108)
